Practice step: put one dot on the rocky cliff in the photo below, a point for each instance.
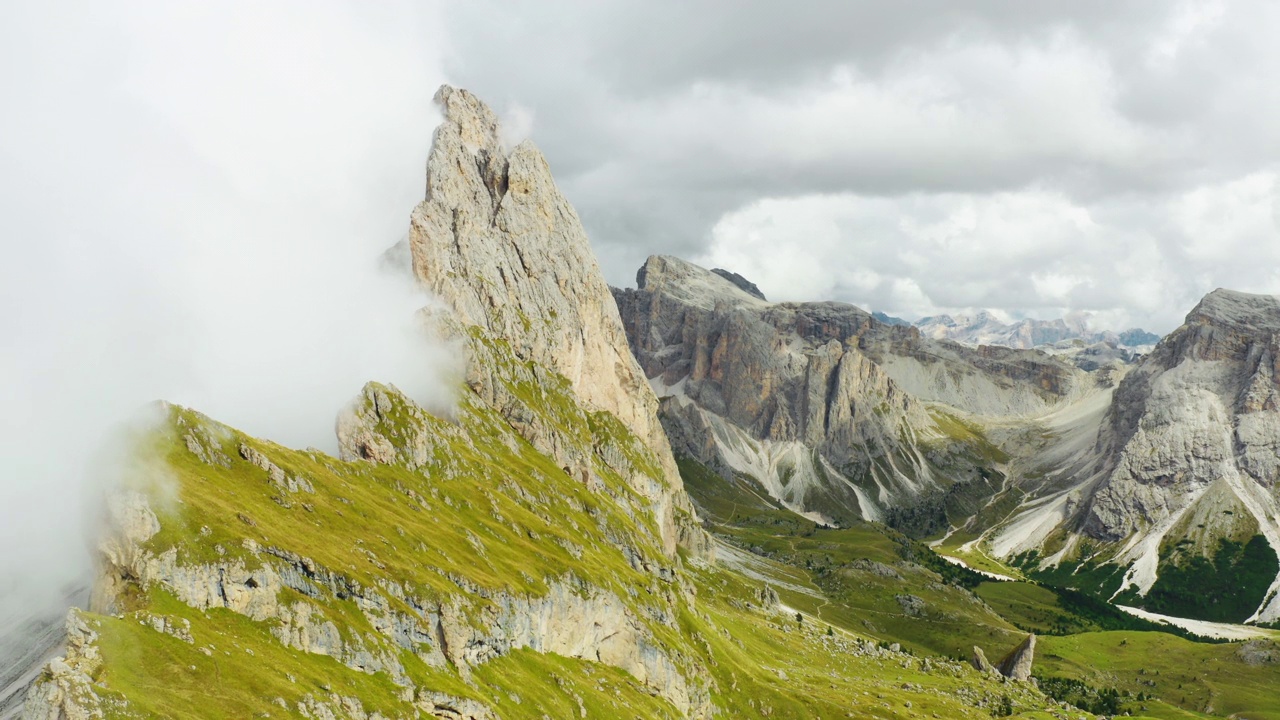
(532, 554)
(833, 412)
(1168, 500)
(1150, 483)
(497, 242)
(532, 520)
(1189, 455)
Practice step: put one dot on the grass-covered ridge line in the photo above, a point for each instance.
(470, 515)
(371, 521)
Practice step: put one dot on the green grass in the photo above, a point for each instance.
(976, 557)
(1058, 611)
(472, 513)
(725, 500)
(1100, 646)
(1199, 677)
(242, 674)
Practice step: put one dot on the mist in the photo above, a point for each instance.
(193, 204)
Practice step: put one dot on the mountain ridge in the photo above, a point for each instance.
(1075, 444)
(985, 328)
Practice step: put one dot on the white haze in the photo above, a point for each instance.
(193, 201)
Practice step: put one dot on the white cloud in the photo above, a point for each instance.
(1036, 253)
(193, 202)
(517, 125)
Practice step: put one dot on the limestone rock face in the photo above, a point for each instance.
(821, 403)
(363, 425)
(1017, 664)
(66, 693)
(743, 284)
(1194, 427)
(497, 242)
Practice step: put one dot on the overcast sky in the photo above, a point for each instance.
(913, 157)
(192, 195)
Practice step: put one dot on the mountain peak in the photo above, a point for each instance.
(476, 123)
(497, 242)
(693, 284)
(1232, 307)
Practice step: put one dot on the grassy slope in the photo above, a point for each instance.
(487, 510)
(1185, 677)
(1201, 677)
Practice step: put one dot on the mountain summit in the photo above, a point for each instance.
(1189, 462)
(498, 243)
(830, 411)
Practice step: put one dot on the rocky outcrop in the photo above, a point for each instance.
(1259, 652)
(1017, 664)
(980, 662)
(497, 242)
(768, 597)
(66, 690)
(277, 476)
(743, 284)
(383, 426)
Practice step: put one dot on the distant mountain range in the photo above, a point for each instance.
(985, 328)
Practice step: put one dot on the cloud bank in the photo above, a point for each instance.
(193, 202)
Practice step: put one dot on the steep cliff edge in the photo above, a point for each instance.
(497, 242)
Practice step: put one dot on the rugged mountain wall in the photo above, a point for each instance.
(826, 407)
(1194, 433)
(749, 393)
(497, 242)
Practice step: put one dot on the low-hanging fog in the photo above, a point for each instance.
(193, 202)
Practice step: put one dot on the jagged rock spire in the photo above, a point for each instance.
(1017, 664)
(497, 242)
